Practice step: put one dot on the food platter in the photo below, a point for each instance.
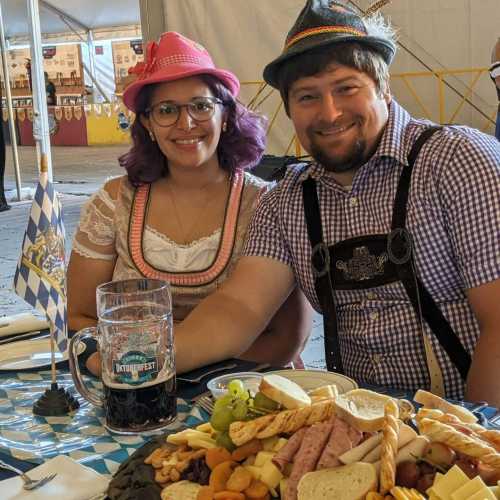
(398, 451)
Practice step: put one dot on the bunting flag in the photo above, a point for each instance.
(30, 114)
(77, 112)
(58, 113)
(97, 109)
(87, 108)
(40, 277)
(107, 109)
(68, 113)
(5, 114)
(21, 114)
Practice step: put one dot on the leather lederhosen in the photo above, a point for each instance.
(374, 260)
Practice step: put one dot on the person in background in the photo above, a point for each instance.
(50, 90)
(393, 232)
(495, 76)
(182, 210)
(3, 202)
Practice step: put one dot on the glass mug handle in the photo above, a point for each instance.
(90, 332)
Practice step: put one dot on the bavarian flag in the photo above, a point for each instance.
(40, 277)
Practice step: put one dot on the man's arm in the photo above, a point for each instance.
(285, 337)
(235, 315)
(483, 382)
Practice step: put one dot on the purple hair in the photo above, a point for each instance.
(240, 146)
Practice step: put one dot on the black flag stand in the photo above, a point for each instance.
(56, 400)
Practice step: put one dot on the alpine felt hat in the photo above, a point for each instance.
(173, 57)
(325, 23)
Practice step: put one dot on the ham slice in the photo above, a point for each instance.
(286, 454)
(342, 438)
(307, 455)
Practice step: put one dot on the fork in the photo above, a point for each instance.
(29, 484)
(206, 374)
(207, 403)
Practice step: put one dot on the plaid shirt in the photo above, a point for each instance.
(453, 215)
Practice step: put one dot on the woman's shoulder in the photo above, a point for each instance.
(257, 182)
(113, 185)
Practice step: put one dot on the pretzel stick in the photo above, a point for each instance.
(492, 437)
(389, 447)
(468, 445)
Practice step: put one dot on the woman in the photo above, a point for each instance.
(182, 210)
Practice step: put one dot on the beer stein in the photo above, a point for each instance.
(134, 334)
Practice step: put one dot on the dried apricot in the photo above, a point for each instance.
(229, 495)
(215, 456)
(219, 476)
(205, 493)
(240, 479)
(256, 490)
(244, 451)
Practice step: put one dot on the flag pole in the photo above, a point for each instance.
(43, 170)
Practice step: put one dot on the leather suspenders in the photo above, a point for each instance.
(400, 253)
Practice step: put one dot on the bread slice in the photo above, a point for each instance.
(356, 454)
(362, 408)
(324, 392)
(284, 391)
(349, 482)
(429, 400)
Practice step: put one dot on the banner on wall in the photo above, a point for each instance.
(30, 114)
(21, 114)
(58, 113)
(87, 109)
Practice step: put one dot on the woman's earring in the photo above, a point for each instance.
(152, 137)
(224, 127)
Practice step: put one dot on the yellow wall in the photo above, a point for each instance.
(103, 130)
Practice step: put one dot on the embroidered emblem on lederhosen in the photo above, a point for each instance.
(363, 265)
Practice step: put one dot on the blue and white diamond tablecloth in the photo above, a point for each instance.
(82, 436)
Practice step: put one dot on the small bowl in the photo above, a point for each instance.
(218, 385)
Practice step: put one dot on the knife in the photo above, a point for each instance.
(23, 336)
(259, 368)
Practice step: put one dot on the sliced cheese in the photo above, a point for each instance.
(495, 490)
(406, 434)
(483, 494)
(357, 453)
(449, 483)
(263, 457)
(469, 489)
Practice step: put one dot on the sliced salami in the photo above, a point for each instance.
(286, 454)
(307, 456)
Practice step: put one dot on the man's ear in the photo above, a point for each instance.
(386, 93)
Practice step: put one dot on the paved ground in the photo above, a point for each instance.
(78, 172)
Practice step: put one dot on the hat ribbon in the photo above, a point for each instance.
(320, 30)
(149, 60)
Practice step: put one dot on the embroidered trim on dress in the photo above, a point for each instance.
(195, 278)
(90, 254)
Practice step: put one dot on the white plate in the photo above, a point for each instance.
(312, 379)
(27, 354)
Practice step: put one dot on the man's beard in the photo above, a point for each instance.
(351, 160)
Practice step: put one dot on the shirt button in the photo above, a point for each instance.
(374, 316)
(353, 201)
(371, 296)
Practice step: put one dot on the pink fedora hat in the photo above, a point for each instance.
(175, 57)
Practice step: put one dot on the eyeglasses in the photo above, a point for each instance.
(166, 114)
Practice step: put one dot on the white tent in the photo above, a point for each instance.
(244, 35)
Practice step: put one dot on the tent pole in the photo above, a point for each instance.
(8, 100)
(40, 113)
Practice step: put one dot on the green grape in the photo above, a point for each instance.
(223, 401)
(221, 418)
(245, 396)
(262, 401)
(236, 387)
(240, 410)
(224, 440)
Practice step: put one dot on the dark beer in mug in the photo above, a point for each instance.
(142, 409)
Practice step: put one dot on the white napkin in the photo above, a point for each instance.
(21, 323)
(73, 482)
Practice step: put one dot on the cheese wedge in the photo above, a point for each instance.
(357, 453)
(406, 434)
(469, 489)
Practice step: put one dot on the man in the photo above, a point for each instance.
(393, 235)
(495, 76)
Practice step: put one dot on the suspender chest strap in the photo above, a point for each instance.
(320, 261)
